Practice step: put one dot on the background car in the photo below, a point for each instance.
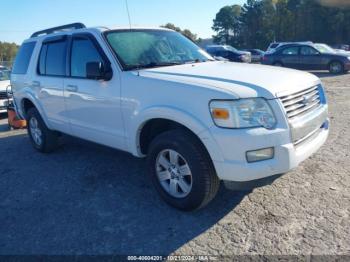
(4, 83)
(256, 54)
(308, 57)
(230, 53)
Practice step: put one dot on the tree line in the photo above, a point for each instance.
(8, 52)
(259, 22)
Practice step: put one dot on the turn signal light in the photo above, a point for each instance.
(220, 113)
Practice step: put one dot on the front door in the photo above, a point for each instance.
(93, 106)
(311, 59)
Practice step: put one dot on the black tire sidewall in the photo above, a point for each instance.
(33, 113)
(188, 149)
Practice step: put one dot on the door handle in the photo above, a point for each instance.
(36, 84)
(72, 88)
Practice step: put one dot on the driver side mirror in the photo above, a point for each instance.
(98, 71)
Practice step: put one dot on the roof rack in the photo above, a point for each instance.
(58, 29)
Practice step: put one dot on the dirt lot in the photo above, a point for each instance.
(88, 199)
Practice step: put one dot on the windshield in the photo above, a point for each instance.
(230, 48)
(4, 75)
(138, 49)
(323, 48)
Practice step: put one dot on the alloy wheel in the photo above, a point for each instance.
(35, 131)
(336, 67)
(174, 173)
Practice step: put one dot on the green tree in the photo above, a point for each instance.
(185, 32)
(8, 51)
(258, 23)
(227, 25)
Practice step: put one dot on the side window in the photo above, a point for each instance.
(56, 58)
(291, 51)
(83, 51)
(306, 50)
(23, 58)
(52, 60)
(42, 60)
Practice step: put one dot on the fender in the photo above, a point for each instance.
(174, 114)
(27, 94)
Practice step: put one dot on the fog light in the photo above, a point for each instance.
(260, 155)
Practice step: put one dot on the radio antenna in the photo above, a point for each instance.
(127, 10)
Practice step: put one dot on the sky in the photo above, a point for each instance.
(20, 18)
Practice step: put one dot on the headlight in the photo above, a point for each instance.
(348, 57)
(243, 113)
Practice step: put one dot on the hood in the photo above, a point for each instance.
(240, 79)
(343, 52)
(4, 85)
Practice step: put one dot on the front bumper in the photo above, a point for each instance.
(287, 157)
(230, 161)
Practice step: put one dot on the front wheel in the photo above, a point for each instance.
(336, 67)
(181, 170)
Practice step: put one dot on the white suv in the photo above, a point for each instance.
(154, 93)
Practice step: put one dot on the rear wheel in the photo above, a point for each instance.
(336, 67)
(181, 170)
(43, 139)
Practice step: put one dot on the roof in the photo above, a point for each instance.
(79, 27)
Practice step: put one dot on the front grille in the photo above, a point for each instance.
(302, 102)
(3, 95)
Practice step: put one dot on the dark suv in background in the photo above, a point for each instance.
(230, 53)
(308, 57)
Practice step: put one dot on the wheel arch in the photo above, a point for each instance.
(28, 102)
(171, 119)
(335, 60)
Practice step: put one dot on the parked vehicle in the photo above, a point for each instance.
(256, 54)
(155, 94)
(230, 53)
(275, 45)
(4, 83)
(308, 57)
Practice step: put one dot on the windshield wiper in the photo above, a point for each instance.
(154, 64)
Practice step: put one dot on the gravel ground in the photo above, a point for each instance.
(88, 199)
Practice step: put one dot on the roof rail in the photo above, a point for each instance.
(58, 28)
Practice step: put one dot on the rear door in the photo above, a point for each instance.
(289, 56)
(311, 59)
(49, 78)
(93, 106)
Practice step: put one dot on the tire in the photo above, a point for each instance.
(43, 139)
(201, 185)
(336, 67)
(278, 64)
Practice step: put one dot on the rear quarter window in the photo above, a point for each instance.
(23, 58)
